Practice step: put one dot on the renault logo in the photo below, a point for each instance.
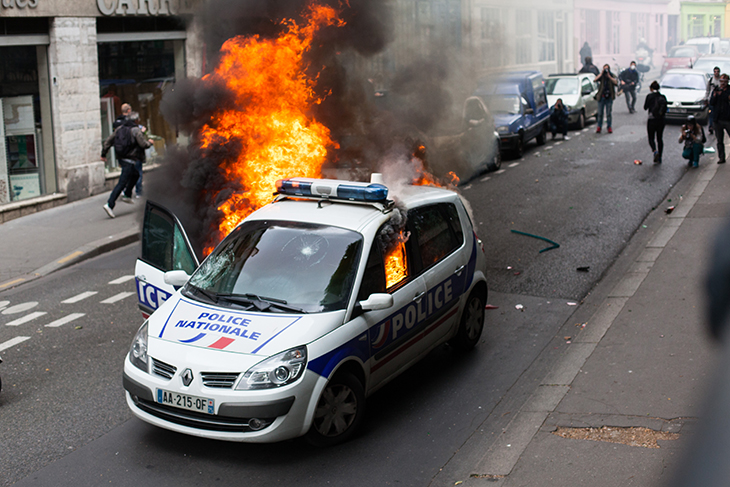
(187, 377)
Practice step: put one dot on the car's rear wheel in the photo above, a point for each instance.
(472, 322)
(339, 411)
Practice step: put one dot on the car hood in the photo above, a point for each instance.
(188, 323)
(678, 61)
(505, 119)
(569, 100)
(682, 95)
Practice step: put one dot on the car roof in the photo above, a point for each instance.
(683, 71)
(569, 75)
(345, 214)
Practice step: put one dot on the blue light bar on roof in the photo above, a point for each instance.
(332, 188)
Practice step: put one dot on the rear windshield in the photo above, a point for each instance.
(280, 266)
(681, 52)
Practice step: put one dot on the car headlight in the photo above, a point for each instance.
(138, 351)
(503, 129)
(275, 371)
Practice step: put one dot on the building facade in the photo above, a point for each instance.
(700, 19)
(66, 68)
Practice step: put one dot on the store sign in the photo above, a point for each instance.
(137, 7)
(19, 3)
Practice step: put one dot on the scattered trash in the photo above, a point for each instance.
(583, 269)
(517, 273)
(709, 150)
(669, 210)
(567, 338)
(78, 327)
(571, 303)
(637, 161)
(509, 267)
(554, 246)
(519, 307)
(582, 325)
(490, 306)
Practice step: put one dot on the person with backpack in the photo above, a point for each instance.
(656, 104)
(720, 103)
(129, 145)
(694, 140)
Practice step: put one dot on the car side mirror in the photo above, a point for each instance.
(377, 301)
(529, 111)
(176, 278)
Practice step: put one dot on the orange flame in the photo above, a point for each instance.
(279, 139)
(396, 268)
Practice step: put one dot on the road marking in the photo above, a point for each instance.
(514, 164)
(3, 304)
(486, 178)
(16, 281)
(65, 319)
(116, 297)
(500, 171)
(26, 318)
(69, 257)
(548, 147)
(19, 308)
(79, 297)
(121, 280)
(12, 343)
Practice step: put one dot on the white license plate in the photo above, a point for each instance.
(183, 401)
(678, 110)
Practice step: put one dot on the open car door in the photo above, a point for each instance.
(165, 247)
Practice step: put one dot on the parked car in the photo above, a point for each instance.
(724, 46)
(706, 45)
(578, 94)
(707, 63)
(307, 307)
(685, 90)
(684, 56)
(519, 104)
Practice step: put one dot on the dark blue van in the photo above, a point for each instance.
(519, 105)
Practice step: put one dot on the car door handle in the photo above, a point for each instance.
(459, 270)
(142, 278)
(418, 296)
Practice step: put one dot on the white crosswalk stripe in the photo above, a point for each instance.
(116, 297)
(12, 343)
(79, 297)
(65, 319)
(26, 318)
(122, 280)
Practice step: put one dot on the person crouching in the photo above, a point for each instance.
(693, 137)
(559, 118)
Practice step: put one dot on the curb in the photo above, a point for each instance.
(85, 252)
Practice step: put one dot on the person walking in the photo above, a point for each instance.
(656, 104)
(694, 139)
(585, 53)
(712, 83)
(129, 145)
(589, 67)
(605, 96)
(559, 119)
(629, 79)
(720, 105)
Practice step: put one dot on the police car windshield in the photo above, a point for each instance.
(303, 266)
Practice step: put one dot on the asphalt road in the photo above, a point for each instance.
(62, 411)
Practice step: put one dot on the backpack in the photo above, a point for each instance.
(124, 142)
(659, 109)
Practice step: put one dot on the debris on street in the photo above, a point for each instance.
(583, 269)
(637, 161)
(571, 303)
(669, 210)
(631, 436)
(490, 306)
(554, 245)
(519, 307)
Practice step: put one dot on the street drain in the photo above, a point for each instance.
(632, 436)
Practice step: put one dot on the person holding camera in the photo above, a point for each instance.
(605, 96)
(720, 105)
(693, 137)
(559, 119)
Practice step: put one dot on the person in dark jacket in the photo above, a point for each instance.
(126, 110)
(559, 118)
(720, 103)
(629, 80)
(656, 104)
(589, 67)
(694, 139)
(585, 53)
(134, 152)
(605, 96)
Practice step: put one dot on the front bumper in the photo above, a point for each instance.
(508, 141)
(286, 411)
(682, 112)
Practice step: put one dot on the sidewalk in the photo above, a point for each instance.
(92, 232)
(639, 367)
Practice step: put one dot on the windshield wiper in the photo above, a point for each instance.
(259, 302)
(212, 297)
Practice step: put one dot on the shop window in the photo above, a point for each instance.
(523, 36)
(138, 73)
(546, 35)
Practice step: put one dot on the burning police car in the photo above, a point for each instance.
(311, 304)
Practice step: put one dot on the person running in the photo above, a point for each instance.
(656, 104)
(605, 96)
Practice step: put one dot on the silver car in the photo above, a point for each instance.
(686, 91)
(578, 92)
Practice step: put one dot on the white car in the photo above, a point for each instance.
(685, 90)
(578, 93)
(310, 305)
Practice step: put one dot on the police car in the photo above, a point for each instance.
(311, 304)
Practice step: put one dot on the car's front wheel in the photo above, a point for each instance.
(542, 136)
(339, 411)
(472, 322)
(581, 120)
